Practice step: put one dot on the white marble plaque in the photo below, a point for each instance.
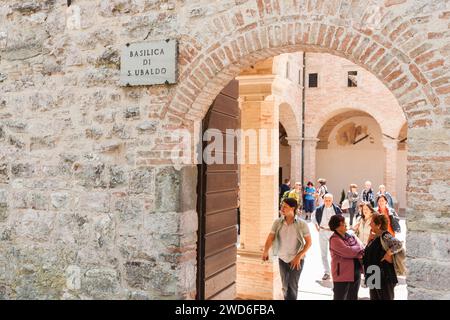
(147, 63)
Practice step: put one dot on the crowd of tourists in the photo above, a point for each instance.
(365, 252)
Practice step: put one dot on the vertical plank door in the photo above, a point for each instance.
(217, 203)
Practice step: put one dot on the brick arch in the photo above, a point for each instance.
(389, 126)
(289, 121)
(409, 58)
(380, 53)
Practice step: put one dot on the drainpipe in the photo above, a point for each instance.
(303, 116)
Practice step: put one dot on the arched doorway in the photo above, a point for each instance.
(259, 111)
(285, 157)
(381, 52)
(291, 146)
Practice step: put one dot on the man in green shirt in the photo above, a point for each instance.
(291, 239)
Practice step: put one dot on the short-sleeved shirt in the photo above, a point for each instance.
(288, 242)
(310, 190)
(283, 238)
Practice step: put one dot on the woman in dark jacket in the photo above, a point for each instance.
(375, 255)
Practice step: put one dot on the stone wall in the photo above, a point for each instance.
(90, 204)
(80, 215)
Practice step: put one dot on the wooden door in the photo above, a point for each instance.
(217, 205)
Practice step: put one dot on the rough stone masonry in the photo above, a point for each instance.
(90, 204)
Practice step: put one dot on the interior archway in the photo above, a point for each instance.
(350, 150)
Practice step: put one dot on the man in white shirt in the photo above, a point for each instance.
(321, 217)
(291, 239)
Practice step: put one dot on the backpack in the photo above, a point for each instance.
(395, 223)
(324, 188)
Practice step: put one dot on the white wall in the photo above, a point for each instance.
(342, 167)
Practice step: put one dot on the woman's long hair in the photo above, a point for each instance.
(372, 210)
(385, 199)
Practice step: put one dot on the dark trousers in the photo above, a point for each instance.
(309, 206)
(385, 293)
(346, 290)
(352, 211)
(289, 279)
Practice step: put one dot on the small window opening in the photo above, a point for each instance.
(352, 79)
(312, 80)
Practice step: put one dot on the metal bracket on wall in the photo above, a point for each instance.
(387, 136)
